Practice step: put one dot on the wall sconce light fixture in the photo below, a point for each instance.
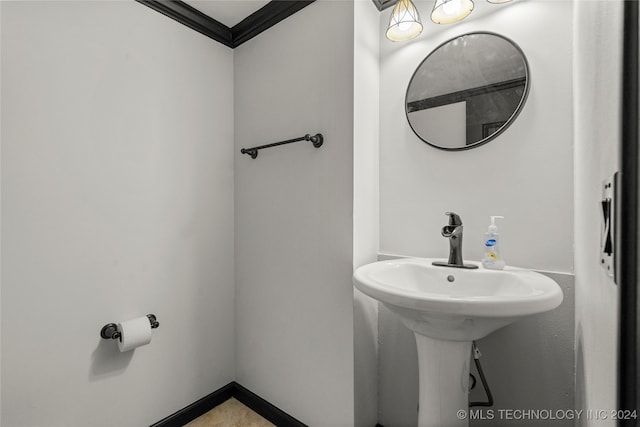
(450, 11)
(404, 23)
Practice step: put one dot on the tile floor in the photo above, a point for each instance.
(231, 413)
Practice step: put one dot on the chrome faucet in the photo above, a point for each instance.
(453, 232)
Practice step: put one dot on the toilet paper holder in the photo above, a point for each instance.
(110, 330)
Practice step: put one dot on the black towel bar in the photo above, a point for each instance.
(316, 140)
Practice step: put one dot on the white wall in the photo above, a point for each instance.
(597, 84)
(117, 201)
(294, 206)
(442, 123)
(0, 224)
(525, 174)
(366, 223)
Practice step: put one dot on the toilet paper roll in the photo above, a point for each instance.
(134, 333)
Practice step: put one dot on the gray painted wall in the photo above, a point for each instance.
(117, 201)
(294, 224)
(526, 174)
(366, 56)
(598, 44)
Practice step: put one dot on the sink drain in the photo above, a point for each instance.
(450, 278)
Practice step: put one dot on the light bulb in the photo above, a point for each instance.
(404, 23)
(452, 7)
(449, 11)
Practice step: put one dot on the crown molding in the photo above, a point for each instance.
(259, 21)
(192, 18)
(265, 18)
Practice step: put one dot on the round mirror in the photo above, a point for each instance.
(467, 91)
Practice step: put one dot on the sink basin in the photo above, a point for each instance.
(448, 308)
(456, 304)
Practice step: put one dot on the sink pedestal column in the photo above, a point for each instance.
(443, 368)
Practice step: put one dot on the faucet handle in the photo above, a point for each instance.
(454, 218)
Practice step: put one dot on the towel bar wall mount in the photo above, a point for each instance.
(316, 140)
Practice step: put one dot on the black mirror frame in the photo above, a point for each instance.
(502, 128)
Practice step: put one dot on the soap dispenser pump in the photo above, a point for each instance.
(492, 258)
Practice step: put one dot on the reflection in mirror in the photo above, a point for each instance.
(467, 91)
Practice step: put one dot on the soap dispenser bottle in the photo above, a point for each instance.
(492, 258)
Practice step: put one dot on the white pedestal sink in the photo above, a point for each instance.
(448, 308)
